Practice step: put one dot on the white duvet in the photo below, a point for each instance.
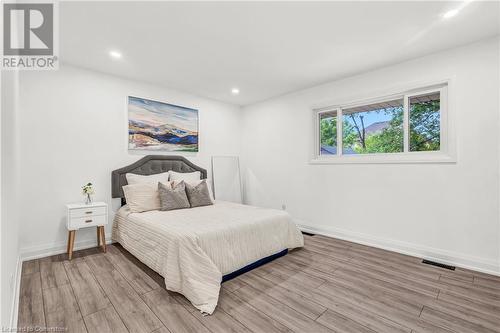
(193, 248)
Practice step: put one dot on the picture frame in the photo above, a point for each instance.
(159, 126)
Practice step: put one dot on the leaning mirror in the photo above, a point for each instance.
(226, 178)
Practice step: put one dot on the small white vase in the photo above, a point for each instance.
(88, 199)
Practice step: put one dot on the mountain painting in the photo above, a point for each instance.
(158, 126)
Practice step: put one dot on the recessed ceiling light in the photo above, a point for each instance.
(453, 12)
(115, 54)
(235, 91)
(450, 13)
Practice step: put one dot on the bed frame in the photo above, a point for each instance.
(153, 164)
(150, 165)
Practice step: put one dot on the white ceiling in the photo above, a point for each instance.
(265, 49)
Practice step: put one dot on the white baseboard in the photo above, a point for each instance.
(420, 251)
(46, 250)
(15, 297)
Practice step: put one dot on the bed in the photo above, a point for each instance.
(196, 249)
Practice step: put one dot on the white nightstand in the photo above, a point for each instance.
(84, 216)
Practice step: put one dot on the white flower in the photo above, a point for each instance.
(87, 189)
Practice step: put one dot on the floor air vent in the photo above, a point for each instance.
(307, 233)
(438, 264)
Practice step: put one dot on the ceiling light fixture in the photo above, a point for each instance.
(235, 91)
(115, 54)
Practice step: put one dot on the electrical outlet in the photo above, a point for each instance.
(283, 206)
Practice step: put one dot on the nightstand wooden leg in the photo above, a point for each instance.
(71, 243)
(103, 239)
(98, 236)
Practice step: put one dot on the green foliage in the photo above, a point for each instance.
(349, 136)
(390, 140)
(328, 131)
(425, 126)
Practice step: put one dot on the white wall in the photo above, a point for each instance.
(73, 129)
(9, 219)
(448, 212)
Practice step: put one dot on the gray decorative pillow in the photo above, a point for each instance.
(173, 197)
(199, 195)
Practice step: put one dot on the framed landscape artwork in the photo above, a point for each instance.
(157, 126)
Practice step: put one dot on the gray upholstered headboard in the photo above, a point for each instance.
(150, 165)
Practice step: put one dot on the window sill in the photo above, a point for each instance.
(396, 158)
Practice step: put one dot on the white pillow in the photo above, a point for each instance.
(185, 176)
(133, 179)
(142, 197)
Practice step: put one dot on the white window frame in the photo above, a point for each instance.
(444, 155)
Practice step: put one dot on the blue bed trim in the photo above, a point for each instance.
(251, 266)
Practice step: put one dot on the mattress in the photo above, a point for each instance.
(193, 248)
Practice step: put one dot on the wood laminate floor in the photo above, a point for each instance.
(328, 286)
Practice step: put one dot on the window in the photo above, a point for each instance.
(425, 127)
(328, 133)
(399, 127)
(375, 128)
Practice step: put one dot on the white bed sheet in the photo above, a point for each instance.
(193, 248)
